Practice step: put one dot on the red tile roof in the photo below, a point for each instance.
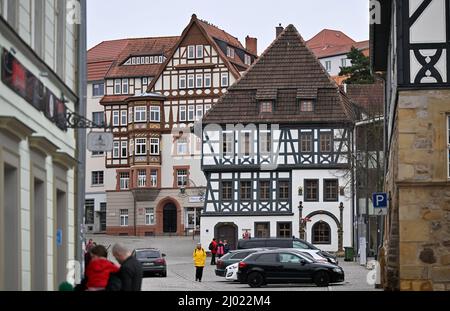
(216, 32)
(113, 99)
(287, 70)
(101, 57)
(333, 42)
(141, 47)
(369, 97)
(97, 71)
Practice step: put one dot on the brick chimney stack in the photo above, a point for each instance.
(279, 30)
(251, 44)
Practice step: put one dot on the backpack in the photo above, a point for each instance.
(211, 246)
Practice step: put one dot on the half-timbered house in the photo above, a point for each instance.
(160, 185)
(276, 152)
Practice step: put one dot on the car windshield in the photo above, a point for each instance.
(241, 255)
(226, 256)
(147, 254)
(300, 245)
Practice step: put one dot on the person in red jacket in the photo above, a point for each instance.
(213, 248)
(99, 269)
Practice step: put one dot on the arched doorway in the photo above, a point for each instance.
(227, 231)
(170, 218)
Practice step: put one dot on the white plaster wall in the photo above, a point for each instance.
(335, 63)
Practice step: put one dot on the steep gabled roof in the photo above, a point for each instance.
(211, 33)
(141, 47)
(101, 57)
(291, 69)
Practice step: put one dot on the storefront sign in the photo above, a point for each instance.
(196, 199)
(28, 86)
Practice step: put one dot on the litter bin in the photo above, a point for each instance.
(349, 254)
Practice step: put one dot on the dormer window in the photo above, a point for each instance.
(138, 61)
(133, 61)
(230, 52)
(151, 59)
(247, 59)
(306, 105)
(266, 107)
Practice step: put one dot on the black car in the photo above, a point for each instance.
(232, 258)
(284, 266)
(284, 243)
(153, 261)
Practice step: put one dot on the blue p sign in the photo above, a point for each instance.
(59, 236)
(379, 200)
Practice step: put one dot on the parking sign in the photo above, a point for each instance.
(380, 203)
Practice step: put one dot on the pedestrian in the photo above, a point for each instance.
(220, 249)
(99, 269)
(199, 257)
(246, 235)
(213, 248)
(130, 272)
(226, 247)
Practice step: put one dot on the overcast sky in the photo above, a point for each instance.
(117, 19)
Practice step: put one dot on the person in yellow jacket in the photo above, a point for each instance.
(199, 257)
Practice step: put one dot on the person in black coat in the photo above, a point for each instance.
(130, 272)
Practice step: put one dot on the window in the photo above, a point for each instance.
(199, 81)
(246, 147)
(265, 107)
(289, 258)
(182, 146)
(123, 117)
(191, 112)
(97, 178)
(230, 52)
(133, 61)
(247, 59)
(149, 216)
(207, 80)
(142, 60)
(321, 233)
(207, 107)
(182, 82)
(262, 230)
(147, 60)
(116, 146)
(312, 190)
(98, 118)
(325, 142)
(343, 62)
(264, 190)
(191, 51)
(191, 80)
(144, 83)
(97, 153)
(124, 180)
(330, 190)
(140, 114)
(182, 178)
(182, 113)
(199, 112)
(227, 190)
(98, 89)
(89, 211)
(117, 86)
(155, 114)
(123, 217)
(328, 65)
(160, 58)
(246, 190)
(306, 143)
(138, 61)
(142, 178)
(151, 59)
(154, 146)
(306, 106)
(227, 145)
(115, 119)
(141, 146)
(199, 51)
(269, 258)
(224, 79)
(124, 149)
(284, 230)
(154, 178)
(283, 190)
(124, 86)
(266, 142)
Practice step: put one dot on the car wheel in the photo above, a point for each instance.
(255, 279)
(321, 278)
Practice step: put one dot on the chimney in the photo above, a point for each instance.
(279, 30)
(251, 44)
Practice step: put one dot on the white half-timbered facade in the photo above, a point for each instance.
(276, 153)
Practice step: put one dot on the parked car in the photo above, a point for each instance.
(231, 272)
(286, 266)
(153, 261)
(233, 257)
(284, 243)
(312, 254)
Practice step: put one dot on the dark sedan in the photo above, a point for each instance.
(284, 266)
(153, 261)
(232, 258)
